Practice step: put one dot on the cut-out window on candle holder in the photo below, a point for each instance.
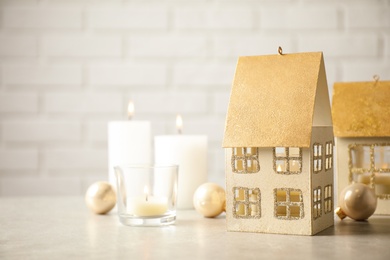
(246, 202)
(328, 198)
(328, 155)
(317, 158)
(245, 160)
(369, 164)
(317, 211)
(287, 160)
(288, 204)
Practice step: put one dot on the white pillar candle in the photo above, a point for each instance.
(129, 142)
(380, 178)
(190, 153)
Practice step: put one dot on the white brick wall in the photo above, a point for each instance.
(137, 17)
(20, 45)
(164, 102)
(80, 45)
(76, 159)
(101, 103)
(69, 67)
(341, 45)
(167, 46)
(128, 74)
(19, 159)
(206, 74)
(36, 74)
(45, 130)
(18, 103)
(40, 17)
(307, 16)
(214, 16)
(367, 16)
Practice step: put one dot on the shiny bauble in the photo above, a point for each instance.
(357, 201)
(210, 200)
(100, 197)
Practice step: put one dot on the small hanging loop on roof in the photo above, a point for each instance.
(280, 50)
(376, 78)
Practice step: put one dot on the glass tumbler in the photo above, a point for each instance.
(146, 194)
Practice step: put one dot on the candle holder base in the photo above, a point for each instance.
(131, 220)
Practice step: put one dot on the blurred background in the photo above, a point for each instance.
(68, 67)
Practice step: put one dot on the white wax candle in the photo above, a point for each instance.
(382, 179)
(145, 208)
(363, 178)
(254, 207)
(379, 179)
(190, 153)
(129, 142)
(382, 182)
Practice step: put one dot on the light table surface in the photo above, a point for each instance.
(63, 228)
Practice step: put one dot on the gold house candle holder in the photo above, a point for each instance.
(279, 146)
(361, 112)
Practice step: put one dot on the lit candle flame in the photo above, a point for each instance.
(179, 124)
(146, 192)
(279, 169)
(130, 110)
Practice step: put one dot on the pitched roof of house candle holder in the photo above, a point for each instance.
(361, 112)
(279, 141)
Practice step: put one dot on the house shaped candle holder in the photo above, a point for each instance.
(361, 118)
(279, 146)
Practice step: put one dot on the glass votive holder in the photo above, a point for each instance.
(146, 194)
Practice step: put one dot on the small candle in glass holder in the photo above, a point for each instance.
(147, 194)
(148, 205)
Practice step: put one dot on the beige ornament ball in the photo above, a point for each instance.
(100, 197)
(210, 200)
(357, 201)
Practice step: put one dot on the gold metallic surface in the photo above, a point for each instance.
(280, 50)
(361, 109)
(210, 200)
(358, 201)
(100, 197)
(340, 213)
(276, 99)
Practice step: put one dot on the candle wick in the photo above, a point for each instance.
(146, 195)
(129, 117)
(179, 131)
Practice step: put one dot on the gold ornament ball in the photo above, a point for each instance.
(100, 197)
(210, 200)
(357, 201)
